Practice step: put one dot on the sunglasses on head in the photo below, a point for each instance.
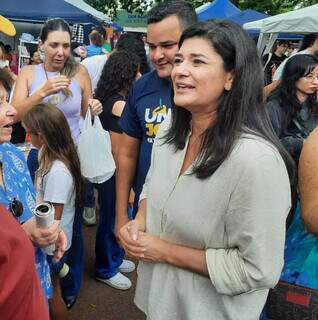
(16, 208)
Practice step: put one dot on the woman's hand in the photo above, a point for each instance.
(154, 248)
(60, 246)
(95, 106)
(54, 85)
(42, 237)
(128, 236)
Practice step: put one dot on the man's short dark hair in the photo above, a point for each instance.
(308, 41)
(281, 42)
(184, 10)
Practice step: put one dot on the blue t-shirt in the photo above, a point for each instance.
(148, 104)
(93, 50)
(18, 184)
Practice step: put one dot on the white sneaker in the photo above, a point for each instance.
(127, 266)
(118, 281)
(89, 216)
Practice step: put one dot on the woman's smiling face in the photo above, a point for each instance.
(7, 113)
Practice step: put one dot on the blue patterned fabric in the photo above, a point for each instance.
(301, 255)
(18, 184)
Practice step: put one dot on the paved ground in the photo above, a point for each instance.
(97, 301)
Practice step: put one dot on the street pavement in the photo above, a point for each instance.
(98, 301)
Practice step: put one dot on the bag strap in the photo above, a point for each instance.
(304, 132)
(97, 124)
(88, 120)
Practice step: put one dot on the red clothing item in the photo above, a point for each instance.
(21, 295)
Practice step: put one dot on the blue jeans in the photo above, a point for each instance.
(89, 200)
(109, 255)
(71, 284)
(56, 267)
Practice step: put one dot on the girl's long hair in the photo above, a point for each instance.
(240, 110)
(50, 123)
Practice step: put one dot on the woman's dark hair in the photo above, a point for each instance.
(7, 48)
(51, 124)
(308, 41)
(296, 67)
(57, 24)
(133, 43)
(96, 38)
(240, 110)
(101, 30)
(32, 52)
(118, 74)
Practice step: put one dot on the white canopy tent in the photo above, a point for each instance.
(303, 20)
(87, 8)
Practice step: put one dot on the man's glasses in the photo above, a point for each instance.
(16, 208)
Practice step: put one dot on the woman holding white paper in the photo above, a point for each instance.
(18, 196)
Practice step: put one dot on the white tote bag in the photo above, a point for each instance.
(94, 148)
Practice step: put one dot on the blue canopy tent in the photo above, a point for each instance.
(116, 27)
(248, 16)
(218, 9)
(38, 11)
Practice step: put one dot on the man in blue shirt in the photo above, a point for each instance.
(149, 102)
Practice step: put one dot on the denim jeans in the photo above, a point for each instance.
(72, 282)
(109, 255)
(89, 200)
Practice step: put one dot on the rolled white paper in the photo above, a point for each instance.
(44, 217)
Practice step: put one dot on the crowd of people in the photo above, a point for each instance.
(207, 152)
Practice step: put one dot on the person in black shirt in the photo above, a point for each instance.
(120, 71)
(271, 61)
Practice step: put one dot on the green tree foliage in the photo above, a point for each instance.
(110, 7)
(271, 7)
